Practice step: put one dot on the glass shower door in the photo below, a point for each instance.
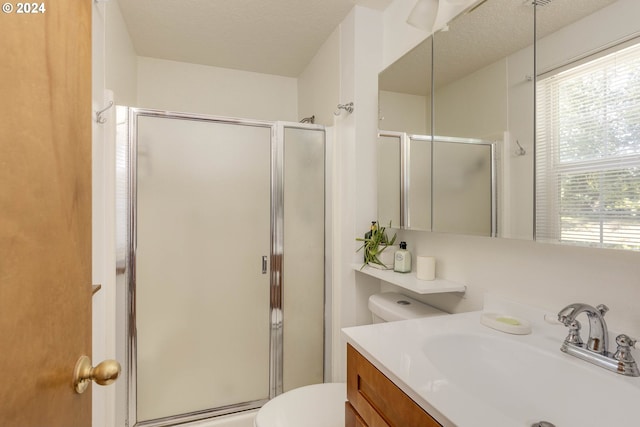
(303, 261)
(202, 305)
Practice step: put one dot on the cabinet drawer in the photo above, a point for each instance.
(351, 417)
(378, 401)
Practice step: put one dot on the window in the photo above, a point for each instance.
(588, 153)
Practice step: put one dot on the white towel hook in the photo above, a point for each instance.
(99, 118)
(347, 107)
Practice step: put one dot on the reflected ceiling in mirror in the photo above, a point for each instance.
(485, 34)
(494, 29)
(411, 73)
(404, 92)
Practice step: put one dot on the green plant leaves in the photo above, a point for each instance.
(376, 244)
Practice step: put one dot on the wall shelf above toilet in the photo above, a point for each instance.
(410, 281)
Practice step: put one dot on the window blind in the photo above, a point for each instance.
(588, 153)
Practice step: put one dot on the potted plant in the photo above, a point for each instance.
(378, 248)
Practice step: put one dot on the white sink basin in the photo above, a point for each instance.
(524, 382)
(467, 375)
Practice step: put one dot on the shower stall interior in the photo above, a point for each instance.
(221, 271)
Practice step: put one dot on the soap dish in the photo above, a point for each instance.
(506, 323)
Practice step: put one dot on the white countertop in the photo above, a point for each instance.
(468, 375)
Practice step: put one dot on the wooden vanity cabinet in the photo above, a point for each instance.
(375, 401)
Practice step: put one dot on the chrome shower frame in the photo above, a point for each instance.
(404, 140)
(126, 243)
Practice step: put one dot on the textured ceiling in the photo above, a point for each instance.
(265, 36)
(488, 32)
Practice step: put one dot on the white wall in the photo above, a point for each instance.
(114, 79)
(354, 174)
(367, 65)
(103, 304)
(121, 60)
(545, 275)
(319, 83)
(179, 86)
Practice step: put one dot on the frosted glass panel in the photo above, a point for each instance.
(202, 302)
(462, 188)
(419, 203)
(303, 278)
(389, 149)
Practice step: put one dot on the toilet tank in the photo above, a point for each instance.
(392, 306)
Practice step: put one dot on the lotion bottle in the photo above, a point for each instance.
(402, 260)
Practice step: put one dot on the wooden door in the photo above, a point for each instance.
(45, 212)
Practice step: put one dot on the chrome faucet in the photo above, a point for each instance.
(598, 332)
(596, 349)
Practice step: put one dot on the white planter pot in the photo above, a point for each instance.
(386, 257)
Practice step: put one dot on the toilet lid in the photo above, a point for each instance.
(318, 405)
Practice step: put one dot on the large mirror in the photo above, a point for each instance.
(484, 81)
(472, 74)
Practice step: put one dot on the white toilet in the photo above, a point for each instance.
(392, 306)
(322, 405)
(317, 405)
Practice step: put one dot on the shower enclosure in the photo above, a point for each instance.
(220, 262)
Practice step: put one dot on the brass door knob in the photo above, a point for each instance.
(104, 374)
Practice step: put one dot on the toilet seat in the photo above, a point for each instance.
(317, 405)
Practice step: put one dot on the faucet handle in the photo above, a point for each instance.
(571, 323)
(623, 353)
(574, 333)
(626, 364)
(602, 309)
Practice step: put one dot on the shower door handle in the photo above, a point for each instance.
(264, 264)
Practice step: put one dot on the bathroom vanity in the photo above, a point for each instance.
(374, 400)
(453, 371)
